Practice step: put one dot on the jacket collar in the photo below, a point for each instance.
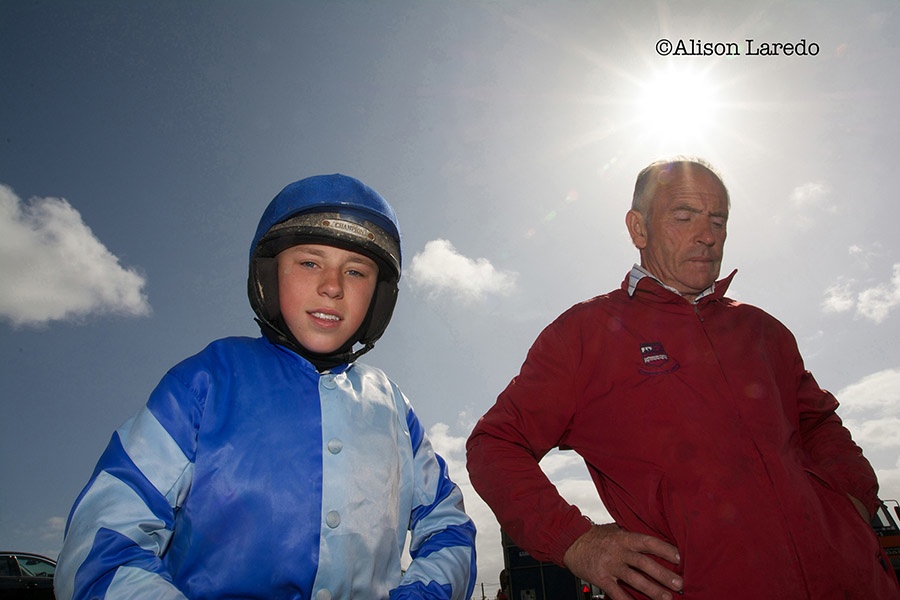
(639, 280)
(290, 354)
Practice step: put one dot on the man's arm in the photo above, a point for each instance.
(503, 453)
(601, 554)
(833, 452)
(531, 416)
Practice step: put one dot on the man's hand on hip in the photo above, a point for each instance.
(606, 555)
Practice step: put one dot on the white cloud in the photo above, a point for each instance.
(878, 393)
(839, 297)
(874, 303)
(870, 409)
(562, 465)
(439, 269)
(880, 432)
(864, 257)
(889, 481)
(54, 268)
(804, 200)
(809, 194)
(447, 445)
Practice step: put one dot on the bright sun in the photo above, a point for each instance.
(677, 105)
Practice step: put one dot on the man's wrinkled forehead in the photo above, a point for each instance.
(686, 178)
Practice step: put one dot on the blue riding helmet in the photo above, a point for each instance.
(334, 210)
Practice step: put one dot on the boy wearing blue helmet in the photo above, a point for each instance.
(279, 467)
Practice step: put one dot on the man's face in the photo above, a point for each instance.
(682, 241)
(324, 293)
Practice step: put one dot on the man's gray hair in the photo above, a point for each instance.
(648, 180)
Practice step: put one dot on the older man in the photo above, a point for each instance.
(722, 461)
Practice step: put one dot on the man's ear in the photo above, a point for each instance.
(637, 228)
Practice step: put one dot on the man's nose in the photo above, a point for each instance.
(705, 234)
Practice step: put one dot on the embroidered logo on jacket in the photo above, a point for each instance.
(656, 361)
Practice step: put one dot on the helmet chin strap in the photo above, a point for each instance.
(275, 333)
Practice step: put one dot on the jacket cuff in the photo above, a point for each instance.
(577, 528)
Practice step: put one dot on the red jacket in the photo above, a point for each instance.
(699, 425)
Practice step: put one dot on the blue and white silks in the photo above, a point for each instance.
(250, 475)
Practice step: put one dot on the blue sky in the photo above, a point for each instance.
(139, 143)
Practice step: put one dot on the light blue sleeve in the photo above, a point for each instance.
(442, 543)
(123, 520)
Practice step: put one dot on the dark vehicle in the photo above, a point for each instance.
(26, 576)
(529, 579)
(885, 525)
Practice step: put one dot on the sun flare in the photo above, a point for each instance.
(677, 105)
